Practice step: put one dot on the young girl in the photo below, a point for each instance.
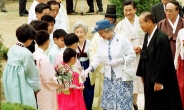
(20, 77)
(48, 83)
(73, 99)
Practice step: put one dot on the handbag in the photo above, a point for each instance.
(129, 73)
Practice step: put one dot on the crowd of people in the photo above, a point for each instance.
(138, 55)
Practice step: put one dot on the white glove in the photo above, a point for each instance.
(84, 73)
(116, 62)
(88, 70)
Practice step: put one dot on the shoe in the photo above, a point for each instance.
(26, 12)
(135, 107)
(90, 11)
(23, 15)
(4, 11)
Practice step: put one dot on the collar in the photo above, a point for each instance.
(20, 44)
(164, 6)
(112, 37)
(175, 23)
(150, 36)
(56, 47)
(81, 47)
(40, 50)
(135, 21)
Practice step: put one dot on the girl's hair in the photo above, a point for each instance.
(70, 39)
(41, 37)
(80, 24)
(25, 32)
(68, 54)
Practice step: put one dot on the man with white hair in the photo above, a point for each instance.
(158, 10)
(172, 24)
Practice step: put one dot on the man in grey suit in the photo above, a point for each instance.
(158, 10)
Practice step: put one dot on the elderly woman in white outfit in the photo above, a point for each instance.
(113, 51)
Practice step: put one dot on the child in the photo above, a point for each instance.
(58, 37)
(20, 77)
(71, 41)
(51, 22)
(74, 100)
(37, 25)
(47, 96)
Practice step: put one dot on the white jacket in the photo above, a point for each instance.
(120, 48)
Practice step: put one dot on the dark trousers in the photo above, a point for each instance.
(69, 6)
(88, 94)
(91, 5)
(22, 6)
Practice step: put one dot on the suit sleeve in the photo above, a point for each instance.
(163, 58)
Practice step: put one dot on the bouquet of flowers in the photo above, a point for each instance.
(64, 76)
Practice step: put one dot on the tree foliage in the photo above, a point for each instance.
(142, 5)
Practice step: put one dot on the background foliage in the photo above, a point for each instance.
(3, 54)
(15, 106)
(142, 5)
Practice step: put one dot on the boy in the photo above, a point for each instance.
(51, 22)
(37, 25)
(71, 41)
(58, 37)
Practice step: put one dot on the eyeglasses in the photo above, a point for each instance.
(168, 11)
(141, 23)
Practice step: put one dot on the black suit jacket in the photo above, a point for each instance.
(158, 11)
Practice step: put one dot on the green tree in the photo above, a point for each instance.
(142, 5)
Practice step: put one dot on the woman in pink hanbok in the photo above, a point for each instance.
(71, 97)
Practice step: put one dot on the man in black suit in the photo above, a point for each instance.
(158, 10)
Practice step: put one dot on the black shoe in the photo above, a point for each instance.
(23, 15)
(26, 12)
(135, 107)
(90, 11)
(4, 11)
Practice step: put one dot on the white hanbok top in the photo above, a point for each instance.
(32, 14)
(62, 20)
(179, 47)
